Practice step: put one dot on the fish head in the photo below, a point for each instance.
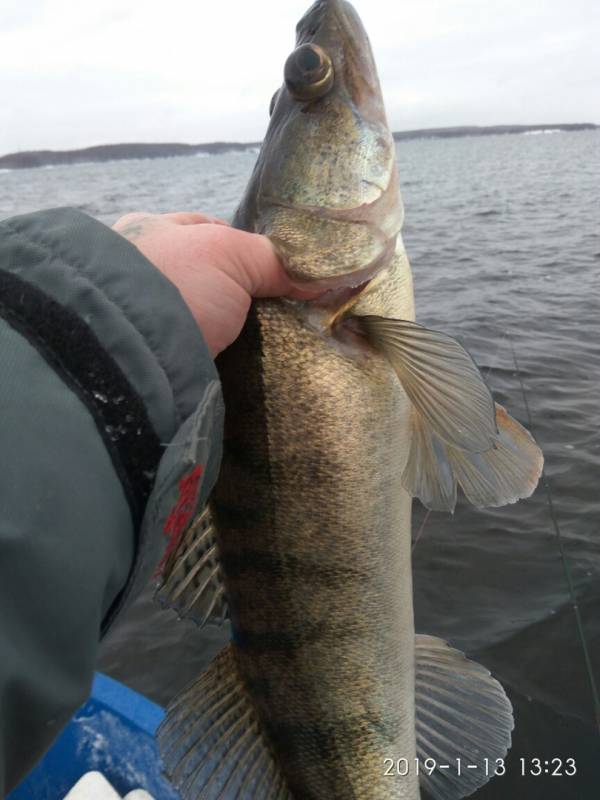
(325, 187)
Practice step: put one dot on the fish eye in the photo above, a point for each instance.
(308, 72)
(273, 101)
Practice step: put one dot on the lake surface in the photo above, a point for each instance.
(503, 233)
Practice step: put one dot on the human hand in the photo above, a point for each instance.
(217, 269)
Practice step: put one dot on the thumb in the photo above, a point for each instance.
(257, 268)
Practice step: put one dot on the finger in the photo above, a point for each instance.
(133, 217)
(191, 218)
(255, 265)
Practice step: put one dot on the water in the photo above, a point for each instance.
(504, 238)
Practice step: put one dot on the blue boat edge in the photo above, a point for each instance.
(114, 733)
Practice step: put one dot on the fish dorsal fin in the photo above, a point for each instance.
(463, 717)
(190, 582)
(458, 434)
(211, 742)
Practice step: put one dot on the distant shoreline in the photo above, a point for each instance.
(117, 152)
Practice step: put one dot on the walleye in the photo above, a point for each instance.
(339, 411)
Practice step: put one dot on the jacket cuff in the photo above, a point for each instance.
(137, 313)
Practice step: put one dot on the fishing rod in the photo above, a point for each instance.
(563, 555)
(559, 539)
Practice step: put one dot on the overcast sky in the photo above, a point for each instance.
(74, 73)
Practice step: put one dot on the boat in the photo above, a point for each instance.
(112, 733)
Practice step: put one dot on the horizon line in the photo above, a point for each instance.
(222, 144)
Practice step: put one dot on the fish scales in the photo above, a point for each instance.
(328, 566)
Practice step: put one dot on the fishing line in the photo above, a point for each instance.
(563, 556)
(560, 543)
(420, 531)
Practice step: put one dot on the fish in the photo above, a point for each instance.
(339, 411)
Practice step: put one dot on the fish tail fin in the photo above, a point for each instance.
(463, 720)
(211, 741)
(459, 435)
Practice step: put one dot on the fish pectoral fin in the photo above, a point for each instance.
(508, 472)
(461, 712)
(441, 380)
(190, 582)
(211, 742)
(428, 473)
(458, 434)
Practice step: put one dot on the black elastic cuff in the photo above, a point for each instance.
(77, 356)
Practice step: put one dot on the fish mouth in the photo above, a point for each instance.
(324, 15)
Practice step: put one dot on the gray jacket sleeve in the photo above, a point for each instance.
(109, 405)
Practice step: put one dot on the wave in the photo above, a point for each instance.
(545, 130)
(490, 212)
